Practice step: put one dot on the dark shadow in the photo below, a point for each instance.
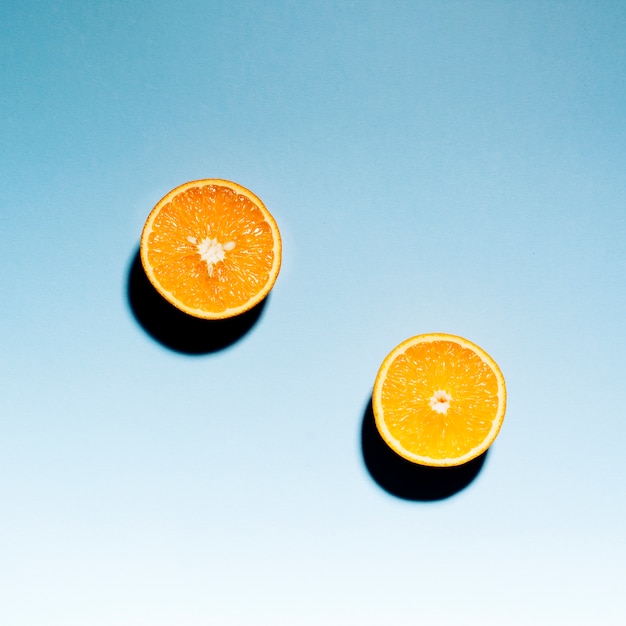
(179, 331)
(407, 480)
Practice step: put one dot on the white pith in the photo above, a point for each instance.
(212, 251)
(440, 401)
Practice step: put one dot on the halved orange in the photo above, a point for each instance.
(439, 400)
(211, 248)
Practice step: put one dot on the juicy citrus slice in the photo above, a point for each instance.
(439, 400)
(211, 248)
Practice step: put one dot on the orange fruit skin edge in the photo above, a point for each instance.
(147, 229)
(379, 411)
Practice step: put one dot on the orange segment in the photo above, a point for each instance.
(211, 248)
(439, 400)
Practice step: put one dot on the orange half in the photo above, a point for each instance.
(211, 248)
(439, 400)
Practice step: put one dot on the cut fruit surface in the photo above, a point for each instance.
(211, 248)
(439, 400)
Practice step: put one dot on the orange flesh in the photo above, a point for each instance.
(412, 381)
(219, 213)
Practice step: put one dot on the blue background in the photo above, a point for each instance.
(433, 166)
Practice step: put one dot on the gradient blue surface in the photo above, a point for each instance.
(433, 166)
